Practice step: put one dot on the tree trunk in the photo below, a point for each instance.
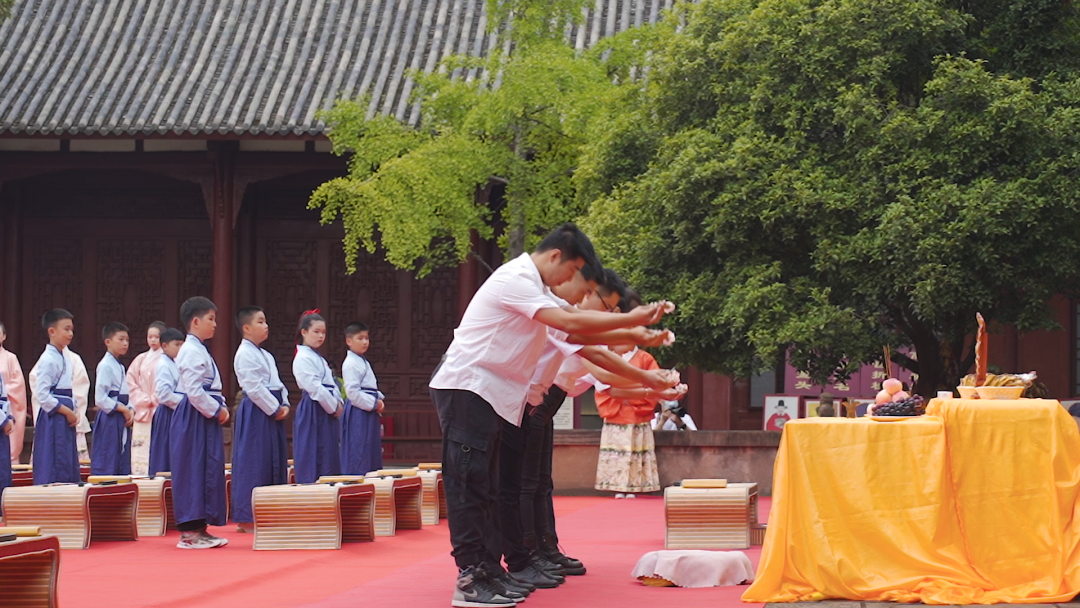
(516, 209)
(516, 237)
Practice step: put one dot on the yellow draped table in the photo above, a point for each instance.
(975, 503)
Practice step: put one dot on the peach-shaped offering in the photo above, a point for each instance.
(901, 396)
(892, 386)
(883, 396)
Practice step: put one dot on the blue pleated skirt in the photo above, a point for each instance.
(316, 442)
(260, 456)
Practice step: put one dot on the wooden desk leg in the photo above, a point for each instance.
(58, 510)
(385, 512)
(442, 500)
(295, 517)
(30, 579)
(430, 498)
(409, 509)
(152, 512)
(170, 516)
(114, 516)
(357, 518)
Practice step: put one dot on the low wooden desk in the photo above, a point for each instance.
(710, 518)
(397, 504)
(75, 513)
(29, 569)
(312, 516)
(434, 500)
(155, 506)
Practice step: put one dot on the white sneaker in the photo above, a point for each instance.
(193, 540)
(620, 495)
(628, 495)
(215, 540)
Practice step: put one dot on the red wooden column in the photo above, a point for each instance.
(223, 156)
(12, 282)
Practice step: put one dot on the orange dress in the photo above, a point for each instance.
(627, 461)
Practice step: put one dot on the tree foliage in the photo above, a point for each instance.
(517, 118)
(5, 8)
(815, 179)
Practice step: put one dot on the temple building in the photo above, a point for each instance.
(151, 151)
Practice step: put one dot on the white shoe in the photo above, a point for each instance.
(216, 541)
(620, 495)
(194, 541)
(628, 495)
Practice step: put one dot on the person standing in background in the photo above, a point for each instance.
(140, 380)
(11, 376)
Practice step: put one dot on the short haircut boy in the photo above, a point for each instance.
(572, 243)
(354, 328)
(54, 316)
(246, 315)
(612, 283)
(111, 329)
(171, 334)
(194, 307)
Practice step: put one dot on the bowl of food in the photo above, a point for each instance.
(967, 392)
(1000, 392)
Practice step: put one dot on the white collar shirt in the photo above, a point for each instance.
(498, 343)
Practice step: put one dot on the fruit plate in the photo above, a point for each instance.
(892, 418)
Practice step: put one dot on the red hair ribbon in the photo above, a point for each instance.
(313, 311)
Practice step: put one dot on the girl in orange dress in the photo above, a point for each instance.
(627, 463)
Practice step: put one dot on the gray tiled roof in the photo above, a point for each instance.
(199, 67)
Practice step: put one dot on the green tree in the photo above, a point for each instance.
(5, 8)
(814, 179)
(520, 120)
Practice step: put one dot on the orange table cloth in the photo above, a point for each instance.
(975, 503)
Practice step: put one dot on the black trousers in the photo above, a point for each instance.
(470, 459)
(511, 478)
(537, 487)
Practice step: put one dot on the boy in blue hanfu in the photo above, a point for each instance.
(260, 451)
(110, 452)
(361, 424)
(56, 452)
(196, 445)
(166, 389)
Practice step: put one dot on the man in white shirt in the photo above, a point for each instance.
(483, 383)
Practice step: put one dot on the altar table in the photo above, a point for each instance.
(975, 503)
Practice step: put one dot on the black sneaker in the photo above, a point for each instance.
(532, 575)
(472, 591)
(513, 584)
(548, 567)
(496, 584)
(571, 566)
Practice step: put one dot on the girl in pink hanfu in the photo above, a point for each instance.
(11, 375)
(141, 387)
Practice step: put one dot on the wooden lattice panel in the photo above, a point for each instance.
(710, 518)
(28, 569)
(75, 514)
(397, 504)
(433, 488)
(312, 516)
(155, 502)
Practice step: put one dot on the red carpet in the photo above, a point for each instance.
(412, 569)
